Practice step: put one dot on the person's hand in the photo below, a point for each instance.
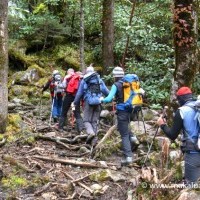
(101, 99)
(160, 121)
(73, 106)
(141, 91)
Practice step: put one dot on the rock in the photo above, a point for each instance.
(49, 196)
(96, 187)
(103, 163)
(104, 113)
(138, 128)
(17, 101)
(84, 150)
(188, 195)
(161, 140)
(117, 177)
(11, 106)
(102, 175)
(174, 155)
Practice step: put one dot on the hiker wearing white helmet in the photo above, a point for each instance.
(56, 94)
(92, 87)
(123, 116)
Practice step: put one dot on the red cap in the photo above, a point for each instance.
(183, 91)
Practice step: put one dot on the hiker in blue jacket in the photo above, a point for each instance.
(123, 117)
(184, 120)
(91, 88)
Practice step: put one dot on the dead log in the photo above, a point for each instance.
(71, 162)
(107, 135)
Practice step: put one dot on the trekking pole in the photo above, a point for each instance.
(145, 130)
(54, 96)
(163, 115)
(40, 107)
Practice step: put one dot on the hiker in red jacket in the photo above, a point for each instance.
(56, 94)
(70, 85)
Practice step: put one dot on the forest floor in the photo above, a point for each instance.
(35, 166)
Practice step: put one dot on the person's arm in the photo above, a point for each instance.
(79, 93)
(172, 132)
(46, 86)
(105, 90)
(110, 96)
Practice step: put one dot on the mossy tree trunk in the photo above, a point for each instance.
(82, 29)
(108, 33)
(3, 65)
(185, 41)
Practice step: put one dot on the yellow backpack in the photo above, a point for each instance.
(134, 86)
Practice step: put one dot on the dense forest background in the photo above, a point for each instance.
(49, 33)
(156, 39)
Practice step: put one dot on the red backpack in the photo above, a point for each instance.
(73, 84)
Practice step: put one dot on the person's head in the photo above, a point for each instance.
(70, 71)
(89, 69)
(55, 72)
(184, 94)
(118, 73)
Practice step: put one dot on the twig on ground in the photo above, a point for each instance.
(80, 184)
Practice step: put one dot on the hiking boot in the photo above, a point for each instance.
(58, 128)
(89, 138)
(55, 119)
(94, 141)
(134, 143)
(126, 161)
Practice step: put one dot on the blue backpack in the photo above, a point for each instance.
(93, 89)
(196, 107)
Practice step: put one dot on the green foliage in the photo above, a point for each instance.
(51, 23)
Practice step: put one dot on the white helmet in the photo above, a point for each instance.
(55, 72)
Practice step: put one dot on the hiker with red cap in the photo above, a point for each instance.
(185, 120)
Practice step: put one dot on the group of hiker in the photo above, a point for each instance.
(89, 90)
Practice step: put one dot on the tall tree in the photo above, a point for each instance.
(185, 41)
(3, 65)
(82, 63)
(128, 37)
(108, 33)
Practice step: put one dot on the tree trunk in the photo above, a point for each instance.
(3, 65)
(82, 35)
(128, 38)
(185, 41)
(108, 33)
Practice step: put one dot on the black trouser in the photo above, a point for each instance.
(123, 119)
(68, 99)
(192, 167)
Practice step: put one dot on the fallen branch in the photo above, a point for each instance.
(80, 184)
(71, 162)
(79, 179)
(109, 132)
